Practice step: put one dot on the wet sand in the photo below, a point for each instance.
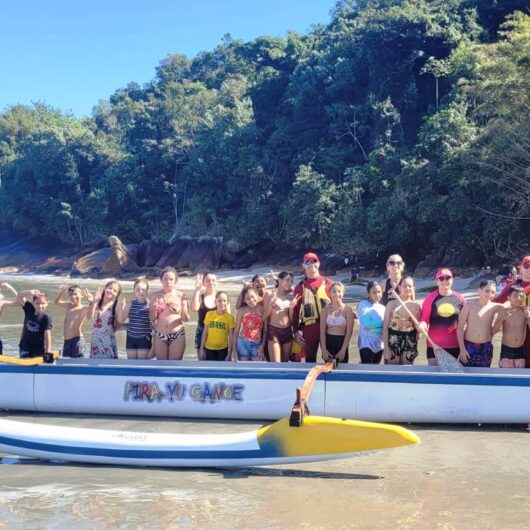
(459, 477)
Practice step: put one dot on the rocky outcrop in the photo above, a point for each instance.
(196, 253)
(121, 258)
(149, 252)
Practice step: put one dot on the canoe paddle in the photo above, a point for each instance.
(445, 361)
(300, 408)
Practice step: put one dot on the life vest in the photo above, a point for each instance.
(313, 303)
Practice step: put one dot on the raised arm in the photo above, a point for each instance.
(22, 296)
(8, 303)
(58, 299)
(91, 311)
(196, 298)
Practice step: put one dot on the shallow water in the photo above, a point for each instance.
(459, 477)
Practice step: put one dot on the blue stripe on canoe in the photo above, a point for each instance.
(435, 378)
(267, 450)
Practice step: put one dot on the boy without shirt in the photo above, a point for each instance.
(74, 317)
(36, 337)
(514, 320)
(475, 327)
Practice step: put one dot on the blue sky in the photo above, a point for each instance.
(71, 54)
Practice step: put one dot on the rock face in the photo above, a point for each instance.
(196, 253)
(93, 262)
(120, 259)
(148, 253)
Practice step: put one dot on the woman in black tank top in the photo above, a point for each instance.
(203, 301)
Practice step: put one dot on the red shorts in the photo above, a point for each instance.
(280, 335)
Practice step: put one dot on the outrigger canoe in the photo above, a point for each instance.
(265, 391)
(317, 439)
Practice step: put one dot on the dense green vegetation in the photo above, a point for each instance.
(403, 124)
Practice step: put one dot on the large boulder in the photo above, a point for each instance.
(92, 262)
(195, 253)
(150, 251)
(120, 258)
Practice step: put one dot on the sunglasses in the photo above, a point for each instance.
(444, 278)
(392, 263)
(526, 266)
(310, 261)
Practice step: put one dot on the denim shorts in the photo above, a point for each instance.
(247, 349)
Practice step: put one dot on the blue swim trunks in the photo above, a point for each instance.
(480, 355)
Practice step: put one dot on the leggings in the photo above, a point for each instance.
(370, 357)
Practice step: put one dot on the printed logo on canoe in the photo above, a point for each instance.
(152, 392)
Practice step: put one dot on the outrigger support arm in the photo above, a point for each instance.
(300, 408)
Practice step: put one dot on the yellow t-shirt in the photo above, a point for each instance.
(218, 329)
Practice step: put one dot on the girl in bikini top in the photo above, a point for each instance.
(336, 320)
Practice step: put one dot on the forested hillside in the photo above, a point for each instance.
(403, 124)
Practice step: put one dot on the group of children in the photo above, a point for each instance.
(263, 326)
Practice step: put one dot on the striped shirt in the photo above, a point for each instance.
(139, 324)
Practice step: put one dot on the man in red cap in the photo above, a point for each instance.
(313, 295)
(524, 282)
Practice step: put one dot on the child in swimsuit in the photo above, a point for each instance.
(139, 338)
(250, 328)
(216, 342)
(278, 312)
(168, 313)
(400, 336)
(514, 321)
(336, 326)
(475, 327)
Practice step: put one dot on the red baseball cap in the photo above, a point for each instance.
(525, 260)
(443, 272)
(310, 256)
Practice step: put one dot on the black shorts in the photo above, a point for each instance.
(455, 352)
(138, 343)
(75, 347)
(215, 355)
(507, 352)
(334, 344)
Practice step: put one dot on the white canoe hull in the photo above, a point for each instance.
(265, 391)
(317, 439)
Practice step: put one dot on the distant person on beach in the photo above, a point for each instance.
(168, 313)
(400, 335)
(5, 304)
(475, 327)
(514, 321)
(313, 294)
(217, 337)
(439, 315)
(203, 301)
(395, 267)
(250, 328)
(103, 313)
(36, 337)
(336, 326)
(278, 310)
(74, 317)
(371, 314)
(522, 279)
(139, 337)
